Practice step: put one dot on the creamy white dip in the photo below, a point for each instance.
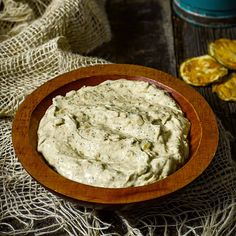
(117, 134)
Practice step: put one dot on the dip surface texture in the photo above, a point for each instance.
(117, 134)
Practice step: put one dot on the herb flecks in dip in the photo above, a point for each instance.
(117, 134)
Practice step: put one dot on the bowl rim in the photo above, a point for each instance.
(33, 163)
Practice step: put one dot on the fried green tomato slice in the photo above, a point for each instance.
(224, 51)
(202, 70)
(226, 90)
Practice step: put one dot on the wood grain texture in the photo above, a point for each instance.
(203, 135)
(141, 34)
(191, 41)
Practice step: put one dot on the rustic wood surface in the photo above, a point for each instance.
(147, 32)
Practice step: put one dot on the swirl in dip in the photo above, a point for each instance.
(117, 134)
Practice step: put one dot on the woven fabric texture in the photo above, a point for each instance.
(205, 207)
(48, 46)
(39, 40)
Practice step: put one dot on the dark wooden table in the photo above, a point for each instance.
(148, 33)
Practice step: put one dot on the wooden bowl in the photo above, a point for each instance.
(203, 135)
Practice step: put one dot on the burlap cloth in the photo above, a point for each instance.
(39, 40)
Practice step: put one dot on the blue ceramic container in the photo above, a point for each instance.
(212, 13)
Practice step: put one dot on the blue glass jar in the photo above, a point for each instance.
(211, 13)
